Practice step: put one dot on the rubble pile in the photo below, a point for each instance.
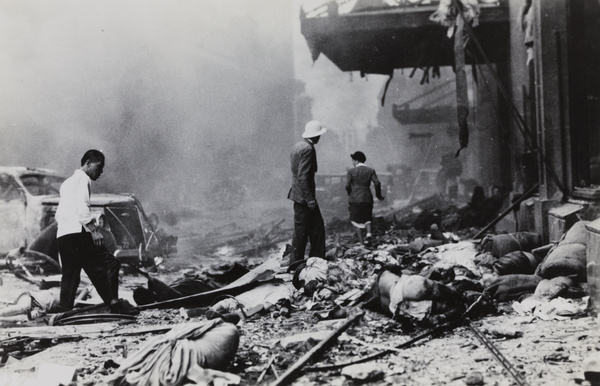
(422, 304)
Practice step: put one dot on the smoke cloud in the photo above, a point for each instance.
(178, 95)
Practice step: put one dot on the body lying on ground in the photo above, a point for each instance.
(32, 304)
(413, 299)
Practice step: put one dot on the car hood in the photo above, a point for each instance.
(97, 199)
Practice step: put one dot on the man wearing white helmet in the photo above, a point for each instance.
(308, 221)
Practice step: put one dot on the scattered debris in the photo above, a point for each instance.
(417, 281)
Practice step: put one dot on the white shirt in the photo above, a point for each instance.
(73, 211)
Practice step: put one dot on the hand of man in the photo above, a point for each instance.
(312, 204)
(98, 238)
(96, 235)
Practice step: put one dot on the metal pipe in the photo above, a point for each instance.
(525, 196)
(501, 358)
(291, 373)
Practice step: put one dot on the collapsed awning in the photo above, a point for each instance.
(379, 40)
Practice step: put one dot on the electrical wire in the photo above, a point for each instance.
(420, 170)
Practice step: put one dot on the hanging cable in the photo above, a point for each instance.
(420, 170)
(522, 125)
(495, 105)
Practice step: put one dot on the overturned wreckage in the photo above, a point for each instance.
(136, 239)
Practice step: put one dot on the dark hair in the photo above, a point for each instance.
(92, 156)
(359, 156)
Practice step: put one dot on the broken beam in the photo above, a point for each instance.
(321, 347)
(432, 332)
(525, 196)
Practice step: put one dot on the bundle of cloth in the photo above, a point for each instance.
(461, 254)
(167, 359)
(318, 276)
(262, 297)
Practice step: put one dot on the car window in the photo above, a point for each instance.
(39, 184)
(52, 184)
(125, 225)
(9, 189)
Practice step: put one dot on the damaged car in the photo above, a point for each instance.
(31, 227)
(136, 240)
(22, 192)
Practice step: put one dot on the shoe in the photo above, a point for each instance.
(229, 318)
(123, 307)
(295, 265)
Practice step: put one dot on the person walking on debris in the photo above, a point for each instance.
(308, 221)
(80, 243)
(358, 186)
(472, 214)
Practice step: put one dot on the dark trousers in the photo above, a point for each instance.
(308, 225)
(78, 251)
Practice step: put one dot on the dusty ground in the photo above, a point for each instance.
(544, 352)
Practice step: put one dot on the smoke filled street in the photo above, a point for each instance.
(302, 192)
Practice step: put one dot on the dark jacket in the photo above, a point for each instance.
(358, 184)
(304, 166)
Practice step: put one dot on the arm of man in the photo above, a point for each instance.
(304, 175)
(85, 215)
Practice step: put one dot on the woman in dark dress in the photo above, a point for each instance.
(358, 186)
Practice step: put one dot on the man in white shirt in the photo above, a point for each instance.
(80, 242)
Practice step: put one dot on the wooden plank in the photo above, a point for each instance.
(79, 331)
(58, 332)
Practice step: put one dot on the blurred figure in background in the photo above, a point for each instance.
(165, 242)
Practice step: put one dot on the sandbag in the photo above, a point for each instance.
(563, 286)
(422, 243)
(500, 245)
(565, 260)
(510, 287)
(166, 359)
(517, 262)
(569, 257)
(577, 234)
